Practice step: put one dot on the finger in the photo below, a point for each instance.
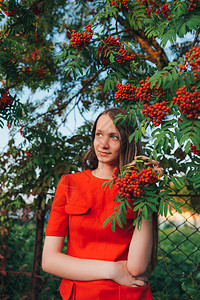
(142, 277)
(141, 156)
(134, 285)
(153, 163)
(132, 163)
(138, 282)
(160, 171)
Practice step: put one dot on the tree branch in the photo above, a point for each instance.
(155, 53)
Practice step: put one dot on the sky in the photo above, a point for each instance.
(75, 120)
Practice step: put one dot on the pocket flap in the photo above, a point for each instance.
(77, 208)
(67, 288)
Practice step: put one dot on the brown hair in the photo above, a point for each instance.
(128, 152)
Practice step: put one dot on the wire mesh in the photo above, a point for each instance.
(177, 275)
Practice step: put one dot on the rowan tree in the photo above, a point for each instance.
(142, 54)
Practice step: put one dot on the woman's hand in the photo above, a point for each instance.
(123, 277)
(153, 163)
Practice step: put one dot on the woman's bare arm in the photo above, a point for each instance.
(57, 263)
(140, 248)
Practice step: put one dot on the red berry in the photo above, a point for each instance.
(5, 100)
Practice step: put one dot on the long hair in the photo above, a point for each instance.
(128, 151)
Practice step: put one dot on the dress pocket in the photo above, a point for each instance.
(77, 208)
(67, 290)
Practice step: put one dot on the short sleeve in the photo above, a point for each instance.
(58, 219)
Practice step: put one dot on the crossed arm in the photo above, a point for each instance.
(129, 273)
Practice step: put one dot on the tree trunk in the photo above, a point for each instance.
(37, 257)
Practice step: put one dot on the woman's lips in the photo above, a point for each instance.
(103, 153)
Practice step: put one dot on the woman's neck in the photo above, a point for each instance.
(104, 171)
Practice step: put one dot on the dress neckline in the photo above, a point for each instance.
(103, 179)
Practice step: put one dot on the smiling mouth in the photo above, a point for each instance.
(103, 153)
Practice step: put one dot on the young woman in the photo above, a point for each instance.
(99, 264)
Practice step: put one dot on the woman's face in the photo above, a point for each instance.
(107, 141)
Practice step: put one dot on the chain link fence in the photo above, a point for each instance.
(177, 275)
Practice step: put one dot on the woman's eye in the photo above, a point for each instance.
(98, 134)
(115, 137)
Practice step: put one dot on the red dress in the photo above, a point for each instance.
(79, 210)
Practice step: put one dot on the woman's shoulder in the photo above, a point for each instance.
(82, 176)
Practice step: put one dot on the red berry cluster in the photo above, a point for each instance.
(112, 44)
(5, 99)
(144, 92)
(194, 149)
(192, 61)
(150, 5)
(106, 48)
(153, 6)
(35, 55)
(192, 4)
(122, 56)
(188, 102)
(192, 58)
(41, 72)
(116, 4)
(156, 112)
(28, 69)
(164, 10)
(149, 2)
(130, 185)
(79, 40)
(125, 92)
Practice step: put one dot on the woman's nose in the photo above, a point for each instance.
(104, 142)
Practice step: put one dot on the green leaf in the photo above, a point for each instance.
(145, 212)
(119, 222)
(106, 221)
(111, 58)
(175, 182)
(113, 224)
(161, 207)
(184, 138)
(140, 205)
(111, 183)
(131, 137)
(105, 184)
(153, 207)
(79, 68)
(136, 136)
(166, 209)
(180, 180)
(122, 216)
(187, 147)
